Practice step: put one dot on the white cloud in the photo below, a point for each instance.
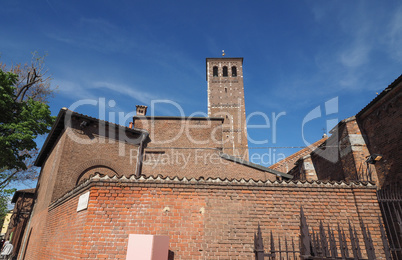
(140, 95)
(356, 55)
(73, 90)
(394, 36)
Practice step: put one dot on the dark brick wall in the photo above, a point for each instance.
(342, 156)
(327, 160)
(381, 125)
(203, 220)
(19, 219)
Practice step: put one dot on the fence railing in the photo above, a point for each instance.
(289, 252)
(322, 245)
(390, 200)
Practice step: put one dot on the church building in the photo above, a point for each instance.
(187, 178)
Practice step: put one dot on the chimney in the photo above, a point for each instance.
(141, 110)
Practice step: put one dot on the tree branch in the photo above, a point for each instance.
(9, 178)
(25, 88)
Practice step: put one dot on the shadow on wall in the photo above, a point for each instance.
(171, 255)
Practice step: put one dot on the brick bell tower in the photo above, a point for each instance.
(226, 100)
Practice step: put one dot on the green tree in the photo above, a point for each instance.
(24, 115)
(4, 199)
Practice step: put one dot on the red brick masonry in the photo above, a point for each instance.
(204, 219)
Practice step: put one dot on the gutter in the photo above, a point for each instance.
(140, 159)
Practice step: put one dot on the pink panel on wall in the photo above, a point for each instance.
(147, 247)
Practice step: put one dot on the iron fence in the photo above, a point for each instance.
(323, 244)
(390, 200)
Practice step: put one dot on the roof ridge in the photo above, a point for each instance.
(379, 96)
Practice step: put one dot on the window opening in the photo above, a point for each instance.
(225, 71)
(215, 71)
(234, 71)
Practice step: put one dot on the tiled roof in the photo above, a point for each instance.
(303, 152)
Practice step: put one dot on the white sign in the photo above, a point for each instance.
(83, 201)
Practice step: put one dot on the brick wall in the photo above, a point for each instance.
(23, 205)
(76, 156)
(87, 149)
(81, 153)
(326, 159)
(64, 236)
(374, 130)
(226, 100)
(381, 125)
(38, 222)
(342, 156)
(190, 148)
(205, 219)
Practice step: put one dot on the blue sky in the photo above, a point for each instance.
(297, 55)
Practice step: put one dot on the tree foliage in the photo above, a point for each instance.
(24, 115)
(4, 200)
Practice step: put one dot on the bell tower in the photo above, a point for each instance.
(226, 100)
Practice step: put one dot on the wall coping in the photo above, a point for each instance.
(203, 183)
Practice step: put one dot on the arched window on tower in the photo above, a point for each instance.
(215, 71)
(234, 71)
(225, 71)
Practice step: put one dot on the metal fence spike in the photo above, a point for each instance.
(305, 239)
(332, 243)
(324, 241)
(386, 248)
(367, 241)
(345, 244)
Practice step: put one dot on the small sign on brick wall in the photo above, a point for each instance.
(83, 201)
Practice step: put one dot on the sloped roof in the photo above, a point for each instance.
(291, 159)
(18, 193)
(381, 95)
(255, 166)
(59, 126)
